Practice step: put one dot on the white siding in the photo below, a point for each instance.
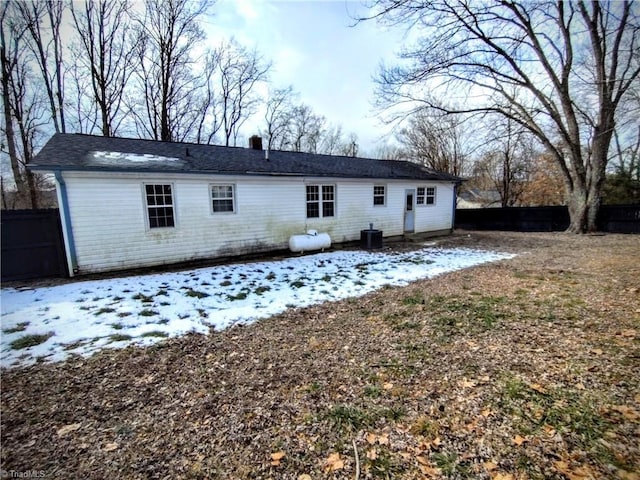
(440, 215)
(110, 227)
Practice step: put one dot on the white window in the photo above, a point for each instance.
(426, 196)
(222, 199)
(321, 201)
(159, 198)
(378, 195)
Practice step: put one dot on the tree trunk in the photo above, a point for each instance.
(5, 80)
(33, 189)
(578, 211)
(584, 205)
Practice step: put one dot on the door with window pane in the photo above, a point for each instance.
(409, 209)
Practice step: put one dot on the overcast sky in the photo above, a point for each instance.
(315, 47)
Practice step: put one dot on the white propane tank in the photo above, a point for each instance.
(312, 240)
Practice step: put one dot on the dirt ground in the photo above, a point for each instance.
(521, 369)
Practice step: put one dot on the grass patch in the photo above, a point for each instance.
(20, 327)
(261, 289)
(225, 283)
(393, 413)
(363, 267)
(104, 310)
(117, 326)
(297, 283)
(407, 326)
(372, 391)
(155, 333)
(195, 293)
(570, 413)
(143, 298)
(415, 299)
(29, 341)
(450, 464)
(344, 417)
(417, 260)
(474, 314)
(119, 337)
(239, 296)
(425, 427)
(147, 312)
(384, 465)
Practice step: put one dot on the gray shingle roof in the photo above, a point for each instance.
(93, 153)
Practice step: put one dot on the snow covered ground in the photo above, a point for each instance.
(84, 317)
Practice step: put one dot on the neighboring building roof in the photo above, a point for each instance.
(476, 198)
(77, 152)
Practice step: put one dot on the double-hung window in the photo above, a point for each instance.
(426, 196)
(159, 199)
(321, 201)
(378, 195)
(222, 199)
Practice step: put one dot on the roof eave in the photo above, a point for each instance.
(66, 168)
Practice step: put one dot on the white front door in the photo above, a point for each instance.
(409, 206)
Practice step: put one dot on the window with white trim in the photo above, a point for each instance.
(378, 195)
(321, 201)
(159, 198)
(222, 199)
(426, 196)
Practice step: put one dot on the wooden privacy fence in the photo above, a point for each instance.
(611, 218)
(32, 245)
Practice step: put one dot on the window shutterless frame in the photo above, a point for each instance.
(379, 195)
(320, 201)
(426, 196)
(222, 198)
(159, 205)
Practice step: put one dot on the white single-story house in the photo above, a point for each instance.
(128, 203)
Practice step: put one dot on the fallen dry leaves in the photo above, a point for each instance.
(333, 463)
(525, 368)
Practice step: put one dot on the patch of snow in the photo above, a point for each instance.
(85, 317)
(108, 158)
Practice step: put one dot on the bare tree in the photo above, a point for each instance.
(440, 142)
(334, 142)
(22, 104)
(168, 32)
(389, 152)
(240, 70)
(42, 20)
(623, 182)
(350, 146)
(508, 163)
(305, 129)
(107, 53)
(559, 69)
(277, 117)
(208, 107)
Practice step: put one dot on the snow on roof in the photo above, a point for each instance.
(106, 158)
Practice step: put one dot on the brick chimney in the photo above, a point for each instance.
(255, 142)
